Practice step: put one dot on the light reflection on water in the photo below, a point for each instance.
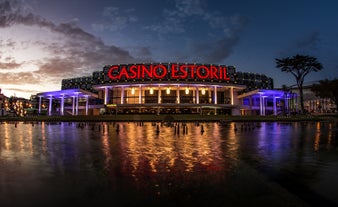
(66, 161)
(143, 149)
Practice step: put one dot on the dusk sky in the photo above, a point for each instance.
(43, 42)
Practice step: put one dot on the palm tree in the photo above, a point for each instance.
(299, 66)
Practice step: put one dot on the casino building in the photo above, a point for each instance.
(165, 88)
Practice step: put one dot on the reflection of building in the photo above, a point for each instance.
(160, 88)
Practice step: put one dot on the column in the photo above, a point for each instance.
(250, 103)
(274, 106)
(62, 105)
(122, 95)
(286, 103)
(40, 100)
(197, 96)
(178, 95)
(50, 106)
(260, 105)
(159, 95)
(296, 102)
(293, 102)
(87, 104)
(232, 95)
(215, 95)
(106, 95)
(159, 99)
(73, 109)
(215, 98)
(140, 98)
(209, 96)
(140, 95)
(77, 104)
(198, 99)
(263, 105)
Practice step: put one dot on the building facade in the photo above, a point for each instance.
(162, 88)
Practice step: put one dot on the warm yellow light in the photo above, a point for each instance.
(133, 91)
(151, 91)
(186, 90)
(168, 90)
(203, 91)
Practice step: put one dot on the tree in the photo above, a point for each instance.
(327, 89)
(299, 66)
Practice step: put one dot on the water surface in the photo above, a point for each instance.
(151, 164)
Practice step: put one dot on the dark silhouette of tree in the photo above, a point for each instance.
(327, 89)
(299, 66)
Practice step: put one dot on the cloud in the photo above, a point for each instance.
(214, 43)
(79, 58)
(307, 44)
(44, 52)
(22, 90)
(13, 12)
(114, 19)
(9, 65)
(172, 23)
(49, 51)
(190, 7)
(143, 53)
(7, 62)
(20, 78)
(8, 43)
(215, 51)
(71, 32)
(174, 20)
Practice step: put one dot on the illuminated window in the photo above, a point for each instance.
(151, 91)
(168, 90)
(186, 90)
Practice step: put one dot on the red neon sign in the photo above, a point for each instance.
(171, 71)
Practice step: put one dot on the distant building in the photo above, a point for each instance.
(313, 103)
(3, 102)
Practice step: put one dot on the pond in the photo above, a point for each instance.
(181, 164)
